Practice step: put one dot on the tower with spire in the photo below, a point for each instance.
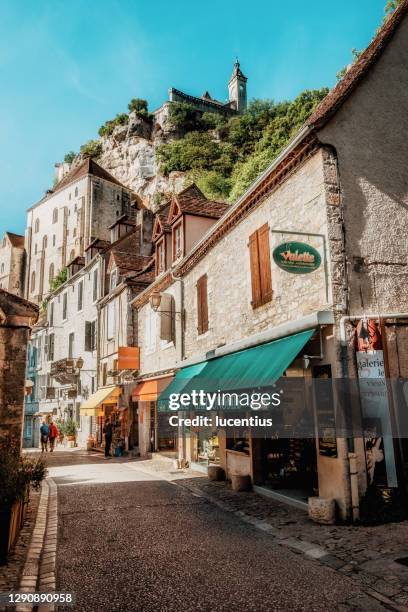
(237, 89)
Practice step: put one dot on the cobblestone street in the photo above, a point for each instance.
(137, 535)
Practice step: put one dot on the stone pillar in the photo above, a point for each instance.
(16, 319)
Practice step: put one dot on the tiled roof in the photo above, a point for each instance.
(88, 166)
(194, 202)
(126, 253)
(123, 220)
(357, 71)
(13, 305)
(16, 240)
(147, 275)
(97, 243)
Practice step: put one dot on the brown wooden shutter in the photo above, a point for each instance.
(166, 311)
(88, 333)
(202, 305)
(261, 277)
(265, 263)
(255, 274)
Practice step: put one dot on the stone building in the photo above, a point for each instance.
(237, 99)
(12, 262)
(17, 316)
(80, 208)
(332, 207)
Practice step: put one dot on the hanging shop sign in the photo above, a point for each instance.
(297, 257)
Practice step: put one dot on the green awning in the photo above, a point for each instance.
(180, 381)
(251, 369)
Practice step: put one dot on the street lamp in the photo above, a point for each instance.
(155, 300)
(79, 363)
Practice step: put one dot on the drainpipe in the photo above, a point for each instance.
(181, 438)
(182, 343)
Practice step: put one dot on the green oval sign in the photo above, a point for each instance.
(297, 257)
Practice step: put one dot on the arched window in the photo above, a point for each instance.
(35, 249)
(51, 273)
(4, 241)
(37, 226)
(76, 192)
(55, 215)
(32, 282)
(45, 242)
(2, 268)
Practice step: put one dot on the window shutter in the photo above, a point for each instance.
(261, 276)
(88, 338)
(255, 274)
(264, 264)
(202, 305)
(93, 335)
(167, 317)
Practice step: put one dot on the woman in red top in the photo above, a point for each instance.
(52, 435)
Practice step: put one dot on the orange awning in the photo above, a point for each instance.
(149, 390)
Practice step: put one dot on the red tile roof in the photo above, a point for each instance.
(16, 240)
(126, 253)
(339, 94)
(192, 201)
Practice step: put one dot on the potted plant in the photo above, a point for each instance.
(60, 426)
(70, 430)
(17, 473)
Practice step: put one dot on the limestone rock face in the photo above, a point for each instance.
(129, 154)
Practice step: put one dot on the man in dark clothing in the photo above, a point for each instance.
(107, 430)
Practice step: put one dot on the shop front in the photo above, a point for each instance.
(282, 457)
(102, 405)
(152, 437)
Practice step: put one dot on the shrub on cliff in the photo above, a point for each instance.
(92, 148)
(107, 128)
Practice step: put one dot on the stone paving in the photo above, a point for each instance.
(367, 554)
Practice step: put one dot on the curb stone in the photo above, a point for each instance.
(39, 569)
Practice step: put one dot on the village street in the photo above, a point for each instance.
(131, 538)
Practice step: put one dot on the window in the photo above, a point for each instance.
(76, 192)
(90, 335)
(113, 279)
(37, 226)
(202, 305)
(45, 242)
(160, 257)
(51, 273)
(53, 240)
(71, 339)
(4, 241)
(2, 268)
(95, 285)
(32, 282)
(28, 427)
(177, 241)
(261, 277)
(110, 321)
(51, 314)
(55, 215)
(65, 307)
(51, 342)
(80, 295)
(35, 249)
(92, 384)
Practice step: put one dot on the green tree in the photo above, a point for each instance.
(107, 128)
(183, 116)
(356, 54)
(92, 148)
(69, 157)
(59, 279)
(138, 106)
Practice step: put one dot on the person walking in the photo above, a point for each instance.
(52, 435)
(107, 430)
(44, 433)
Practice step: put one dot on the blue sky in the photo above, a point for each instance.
(67, 66)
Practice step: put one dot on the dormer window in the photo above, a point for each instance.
(113, 279)
(177, 241)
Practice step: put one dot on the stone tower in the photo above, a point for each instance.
(237, 89)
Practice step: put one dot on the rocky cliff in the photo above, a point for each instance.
(130, 155)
